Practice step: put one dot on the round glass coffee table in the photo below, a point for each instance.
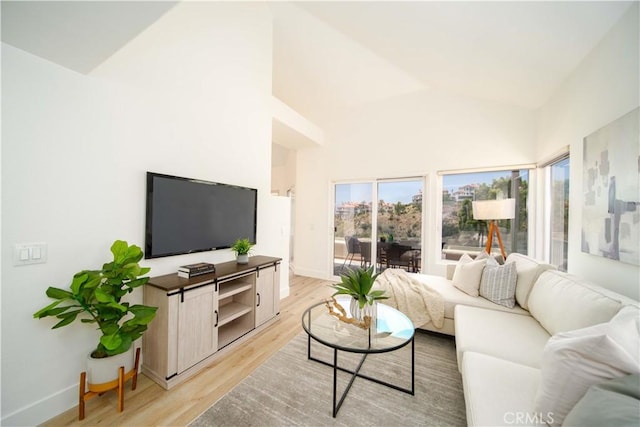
(390, 330)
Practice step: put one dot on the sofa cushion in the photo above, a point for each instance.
(498, 392)
(562, 302)
(528, 271)
(498, 283)
(517, 338)
(573, 361)
(468, 274)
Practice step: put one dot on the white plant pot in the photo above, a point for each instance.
(359, 313)
(105, 370)
(243, 259)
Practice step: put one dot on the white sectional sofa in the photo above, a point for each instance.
(528, 271)
(500, 350)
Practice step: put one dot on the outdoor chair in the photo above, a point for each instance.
(400, 256)
(382, 255)
(353, 248)
(365, 254)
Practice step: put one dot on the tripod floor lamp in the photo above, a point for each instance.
(492, 210)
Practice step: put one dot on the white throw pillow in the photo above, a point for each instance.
(625, 330)
(468, 274)
(498, 283)
(573, 361)
(529, 270)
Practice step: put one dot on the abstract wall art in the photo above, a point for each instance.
(611, 185)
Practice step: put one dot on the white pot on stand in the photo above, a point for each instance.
(108, 373)
(100, 371)
(243, 258)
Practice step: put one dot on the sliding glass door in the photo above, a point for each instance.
(391, 238)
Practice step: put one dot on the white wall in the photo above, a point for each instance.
(410, 135)
(277, 235)
(603, 88)
(283, 169)
(191, 96)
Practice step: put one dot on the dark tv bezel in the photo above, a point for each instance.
(148, 243)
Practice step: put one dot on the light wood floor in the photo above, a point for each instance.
(151, 405)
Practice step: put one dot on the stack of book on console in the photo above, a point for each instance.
(198, 269)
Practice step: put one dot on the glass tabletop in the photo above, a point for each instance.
(390, 329)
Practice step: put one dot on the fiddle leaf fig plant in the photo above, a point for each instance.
(95, 296)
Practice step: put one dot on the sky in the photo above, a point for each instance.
(391, 192)
(455, 181)
(403, 191)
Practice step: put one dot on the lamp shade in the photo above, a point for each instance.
(494, 209)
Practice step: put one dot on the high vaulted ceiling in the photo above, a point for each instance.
(79, 35)
(333, 55)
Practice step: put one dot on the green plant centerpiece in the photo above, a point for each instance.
(242, 249)
(358, 284)
(95, 296)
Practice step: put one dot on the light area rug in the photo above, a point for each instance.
(290, 390)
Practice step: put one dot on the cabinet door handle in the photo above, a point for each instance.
(258, 305)
(217, 315)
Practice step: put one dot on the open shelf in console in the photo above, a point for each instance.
(234, 330)
(236, 302)
(231, 311)
(229, 289)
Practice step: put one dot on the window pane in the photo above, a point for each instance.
(399, 224)
(461, 232)
(559, 224)
(352, 223)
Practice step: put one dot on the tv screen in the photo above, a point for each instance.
(188, 215)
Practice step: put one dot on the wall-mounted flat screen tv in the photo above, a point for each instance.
(189, 215)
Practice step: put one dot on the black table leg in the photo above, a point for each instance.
(356, 373)
(335, 380)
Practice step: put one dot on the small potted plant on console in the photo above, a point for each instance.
(242, 249)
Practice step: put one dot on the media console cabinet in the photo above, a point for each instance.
(202, 317)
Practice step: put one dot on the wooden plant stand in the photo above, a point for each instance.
(99, 389)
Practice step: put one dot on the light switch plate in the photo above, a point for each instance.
(29, 253)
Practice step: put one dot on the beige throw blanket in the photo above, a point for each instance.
(417, 301)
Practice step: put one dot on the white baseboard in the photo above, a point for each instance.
(317, 274)
(48, 407)
(43, 409)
